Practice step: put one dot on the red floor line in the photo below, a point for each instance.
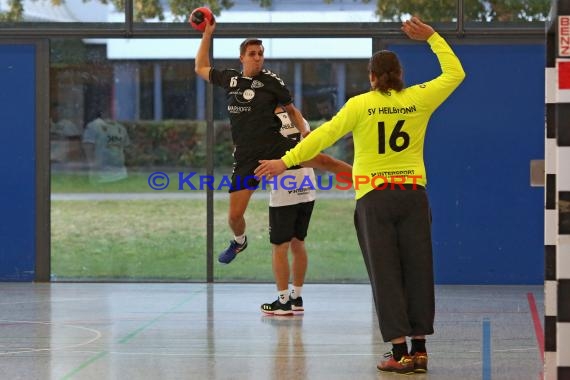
(537, 325)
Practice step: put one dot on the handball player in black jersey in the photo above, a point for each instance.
(252, 96)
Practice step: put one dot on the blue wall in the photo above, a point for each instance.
(487, 220)
(17, 162)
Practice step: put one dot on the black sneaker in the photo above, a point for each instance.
(297, 304)
(231, 252)
(277, 308)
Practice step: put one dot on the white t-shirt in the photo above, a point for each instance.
(110, 139)
(294, 186)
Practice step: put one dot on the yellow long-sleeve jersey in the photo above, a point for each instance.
(388, 128)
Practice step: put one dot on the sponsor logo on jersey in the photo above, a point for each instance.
(256, 84)
(239, 109)
(248, 94)
(391, 173)
(301, 191)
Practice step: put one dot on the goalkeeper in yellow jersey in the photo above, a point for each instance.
(392, 216)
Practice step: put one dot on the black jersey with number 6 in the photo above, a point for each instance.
(251, 102)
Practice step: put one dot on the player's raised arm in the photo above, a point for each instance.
(452, 74)
(202, 65)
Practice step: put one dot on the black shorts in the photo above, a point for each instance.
(288, 222)
(246, 160)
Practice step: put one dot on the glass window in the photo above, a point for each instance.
(121, 131)
(291, 11)
(320, 86)
(505, 11)
(170, 12)
(429, 11)
(113, 225)
(60, 11)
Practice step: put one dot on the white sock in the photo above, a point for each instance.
(283, 296)
(296, 291)
(240, 239)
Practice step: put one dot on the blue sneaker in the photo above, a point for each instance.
(231, 252)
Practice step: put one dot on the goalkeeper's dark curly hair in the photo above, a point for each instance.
(387, 70)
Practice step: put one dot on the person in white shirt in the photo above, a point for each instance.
(290, 212)
(104, 143)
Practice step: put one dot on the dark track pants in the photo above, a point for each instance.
(394, 233)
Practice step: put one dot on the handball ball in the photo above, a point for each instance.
(199, 17)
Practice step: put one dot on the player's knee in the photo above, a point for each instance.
(297, 244)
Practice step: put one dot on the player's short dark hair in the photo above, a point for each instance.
(248, 41)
